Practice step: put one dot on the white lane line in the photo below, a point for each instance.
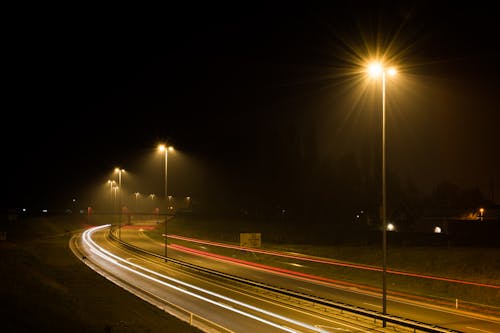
(375, 305)
(477, 329)
(332, 328)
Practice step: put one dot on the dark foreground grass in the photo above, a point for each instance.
(45, 288)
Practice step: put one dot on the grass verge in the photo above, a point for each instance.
(45, 288)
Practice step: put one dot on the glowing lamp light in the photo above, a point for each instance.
(375, 69)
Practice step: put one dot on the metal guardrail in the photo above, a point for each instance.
(407, 323)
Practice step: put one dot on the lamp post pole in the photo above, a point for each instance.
(119, 171)
(384, 207)
(136, 198)
(376, 69)
(152, 202)
(111, 201)
(166, 197)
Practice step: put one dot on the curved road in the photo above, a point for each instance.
(242, 310)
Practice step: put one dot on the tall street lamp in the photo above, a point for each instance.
(166, 149)
(376, 69)
(119, 171)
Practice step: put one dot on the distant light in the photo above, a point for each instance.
(437, 230)
(24, 209)
(390, 227)
(44, 211)
(391, 71)
(74, 200)
(357, 216)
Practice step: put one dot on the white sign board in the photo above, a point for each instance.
(250, 239)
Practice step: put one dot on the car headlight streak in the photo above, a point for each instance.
(114, 259)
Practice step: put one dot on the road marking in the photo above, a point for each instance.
(477, 329)
(332, 328)
(375, 305)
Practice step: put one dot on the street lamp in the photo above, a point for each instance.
(165, 149)
(152, 202)
(376, 69)
(119, 171)
(170, 207)
(111, 202)
(137, 194)
(114, 189)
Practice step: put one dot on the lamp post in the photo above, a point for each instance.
(376, 70)
(166, 149)
(114, 189)
(111, 202)
(170, 207)
(152, 196)
(136, 198)
(119, 171)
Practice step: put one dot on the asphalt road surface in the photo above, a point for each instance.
(214, 304)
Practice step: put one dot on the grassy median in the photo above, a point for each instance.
(45, 288)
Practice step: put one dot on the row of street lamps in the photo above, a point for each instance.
(164, 149)
(137, 196)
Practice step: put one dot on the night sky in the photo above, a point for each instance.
(256, 99)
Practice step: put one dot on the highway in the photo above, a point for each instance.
(213, 303)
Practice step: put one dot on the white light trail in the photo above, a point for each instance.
(112, 258)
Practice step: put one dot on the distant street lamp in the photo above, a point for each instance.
(170, 207)
(115, 189)
(165, 149)
(376, 70)
(152, 202)
(111, 202)
(137, 194)
(119, 171)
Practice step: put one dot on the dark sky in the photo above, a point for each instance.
(236, 87)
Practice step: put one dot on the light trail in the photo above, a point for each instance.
(333, 262)
(267, 268)
(110, 257)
